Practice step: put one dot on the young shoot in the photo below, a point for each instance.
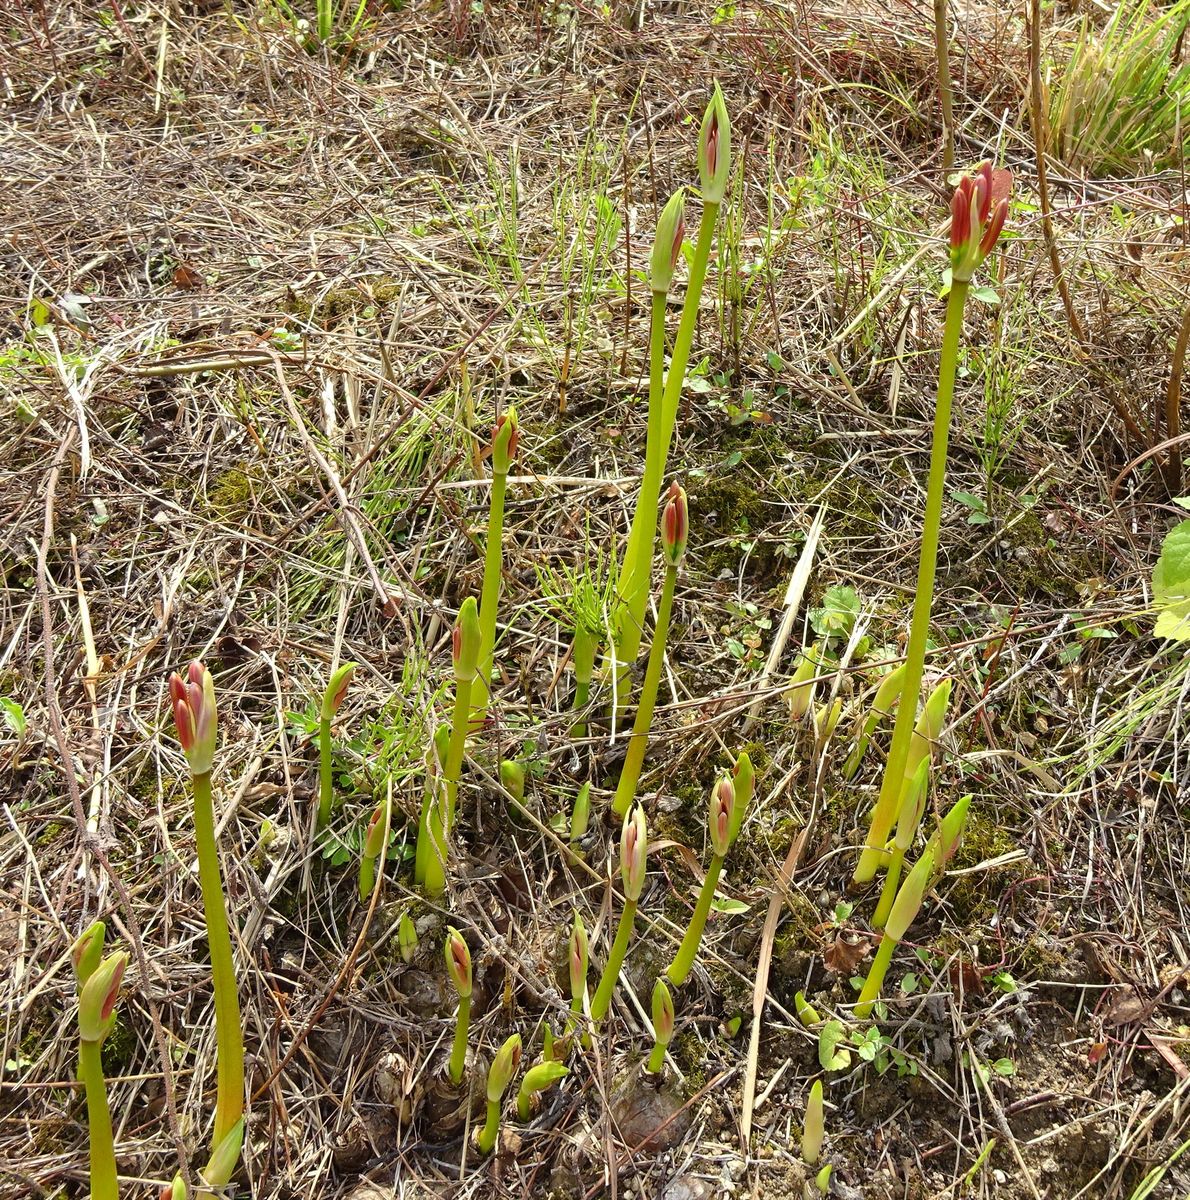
(432, 799)
(537, 1078)
(505, 436)
(458, 967)
(663, 1026)
(887, 694)
(977, 218)
(371, 863)
(196, 719)
(814, 1129)
(332, 698)
(675, 530)
(577, 957)
(500, 1074)
(634, 849)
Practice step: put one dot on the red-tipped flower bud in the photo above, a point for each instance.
(977, 215)
(663, 1013)
(87, 951)
(336, 690)
(97, 1001)
(634, 850)
(465, 641)
(671, 229)
(504, 1068)
(744, 778)
(458, 962)
(719, 821)
(577, 958)
(714, 149)
(374, 837)
(505, 436)
(175, 1190)
(193, 701)
(675, 525)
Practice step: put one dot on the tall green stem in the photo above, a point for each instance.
(632, 591)
(489, 598)
(875, 979)
(635, 756)
(656, 1059)
(677, 970)
(324, 772)
(892, 881)
(894, 768)
(440, 817)
(491, 1127)
(99, 1121)
(458, 1054)
(615, 960)
(229, 1038)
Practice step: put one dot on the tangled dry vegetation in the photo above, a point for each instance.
(260, 309)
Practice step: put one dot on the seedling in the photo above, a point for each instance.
(976, 224)
(332, 698)
(458, 967)
(432, 797)
(500, 1074)
(537, 1078)
(375, 844)
(887, 694)
(675, 530)
(663, 1026)
(634, 849)
(196, 719)
(577, 957)
(815, 1127)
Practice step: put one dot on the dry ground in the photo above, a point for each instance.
(276, 283)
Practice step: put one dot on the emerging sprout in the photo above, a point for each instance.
(714, 149)
(815, 1128)
(663, 1025)
(537, 1078)
(407, 937)
(332, 698)
(634, 848)
(87, 952)
(500, 1074)
(667, 246)
(512, 776)
(458, 967)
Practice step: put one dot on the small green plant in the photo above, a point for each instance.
(814, 1129)
(458, 967)
(335, 24)
(714, 166)
(332, 698)
(726, 815)
(1171, 583)
(512, 777)
(580, 816)
(500, 1074)
(406, 937)
(675, 530)
(99, 987)
(375, 845)
(432, 799)
(977, 220)
(504, 447)
(196, 719)
(537, 1078)
(577, 959)
(799, 695)
(663, 1026)
(634, 849)
(888, 692)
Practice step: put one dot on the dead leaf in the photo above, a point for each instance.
(1125, 1007)
(843, 955)
(186, 278)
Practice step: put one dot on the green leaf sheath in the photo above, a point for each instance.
(489, 598)
(684, 959)
(637, 743)
(324, 772)
(894, 769)
(615, 960)
(99, 1121)
(229, 1038)
(875, 979)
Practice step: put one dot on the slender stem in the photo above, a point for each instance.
(582, 697)
(635, 756)
(656, 1059)
(875, 979)
(633, 587)
(684, 959)
(441, 817)
(367, 877)
(1173, 408)
(99, 1121)
(524, 1101)
(615, 960)
(891, 883)
(458, 1054)
(491, 1127)
(324, 772)
(894, 769)
(229, 1038)
(489, 597)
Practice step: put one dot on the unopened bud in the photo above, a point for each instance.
(407, 937)
(663, 1013)
(87, 951)
(744, 778)
(815, 1127)
(671, 228)
(634, 849)
(675, 525)
(505, 437)
(195, 716)
(97, 1000)
(577, 958)
(458, 962)
(719, 819)
(909, 897)
(714, 149)
(512, 776)
(977, 219)
(504, 1068)
(465, 641)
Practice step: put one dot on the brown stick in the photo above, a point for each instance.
(945, 92)
(1037, 121)
(1173, 408)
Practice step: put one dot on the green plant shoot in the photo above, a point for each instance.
(332, 698)
(634, 849)
(537, 1078)
(371, 863)
(458, 967)
(887, 694)
(435, 764)
(663, 1026)
(500, 1074)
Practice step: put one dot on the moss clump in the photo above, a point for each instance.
(688, 1051)
(232, 492)
(375, 293)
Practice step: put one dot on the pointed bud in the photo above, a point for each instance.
(218, 1171)
(995, 227)
(407, 937)
(195, 716)
(822, 1181)
(909, 897)
(800, 693)
(87, 951)
(504, 1068)
(977, 216)
(577, 958)
(805, 1011)
(827, 718)
(928, 730)
(675, 525)
(458, 962)
(505, 437)
(634, 849)
(512, 776)
(336, 690)
(714, 149)
(175, 1190)
(815, 1127)
(97, 1000)
(543, 1075)
(580, 818)
(374, 838)
(663, 1013)
(465, 641)
(950, 832)
(719, 818)
(913, 804)
(671, 228)
(744, 778)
